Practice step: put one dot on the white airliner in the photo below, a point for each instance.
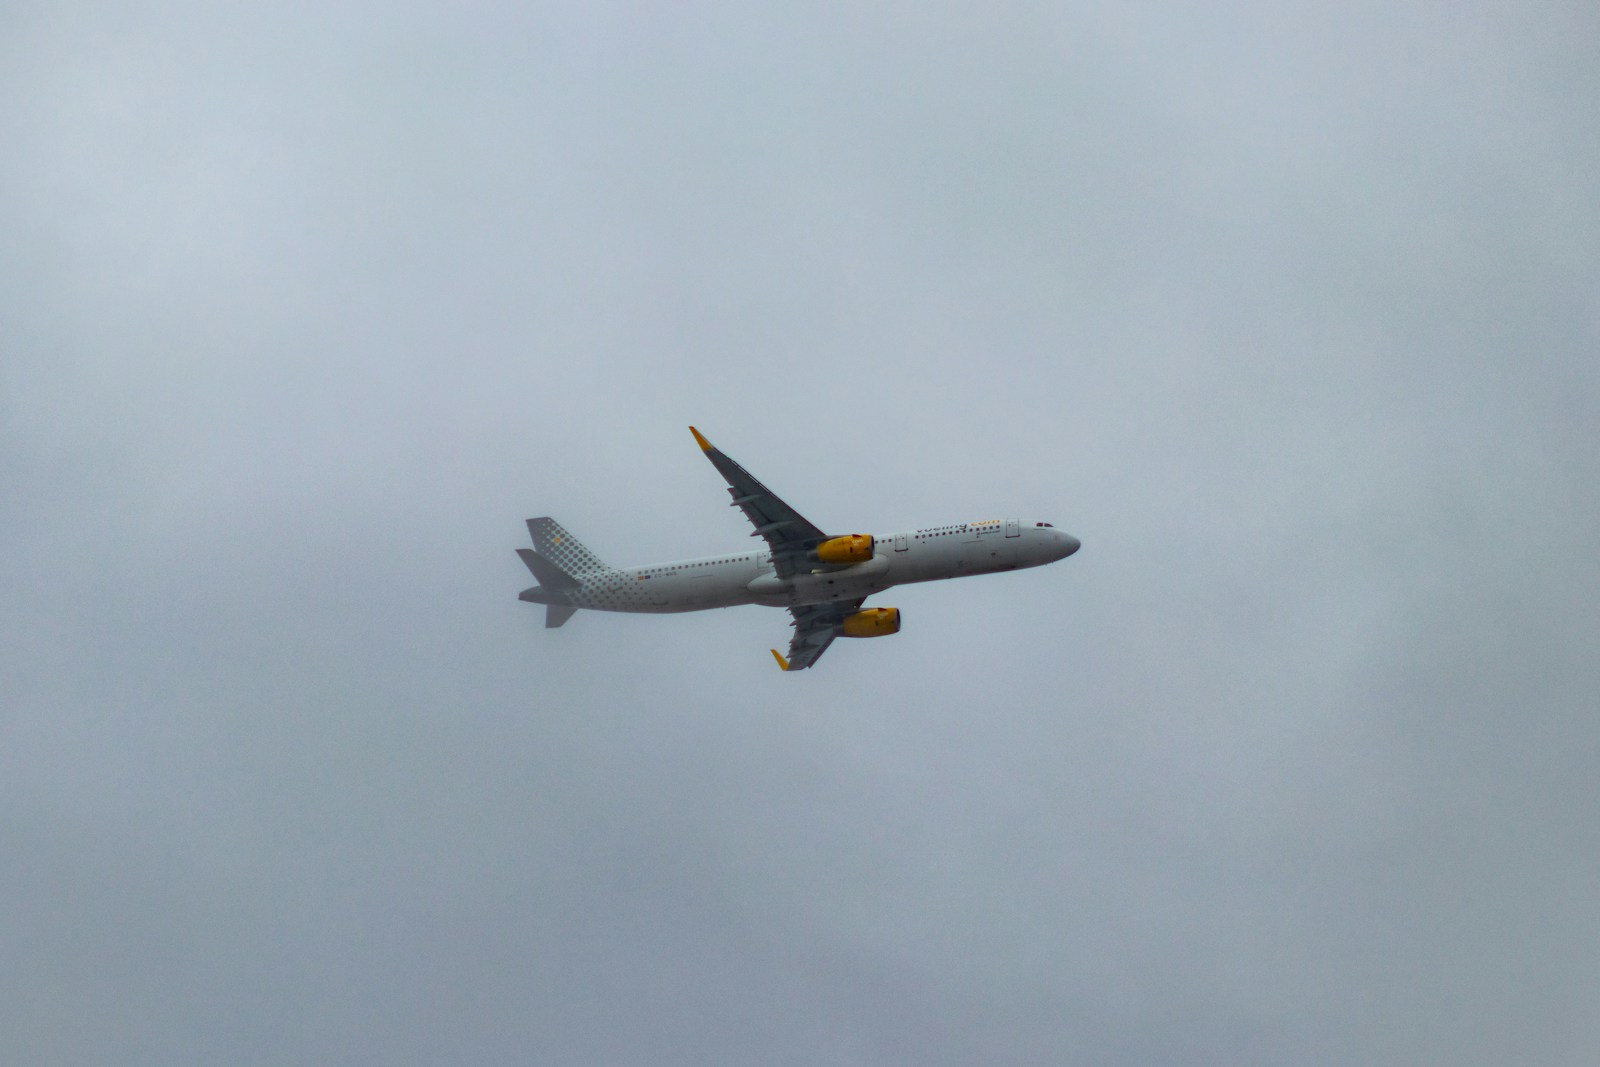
(821, 579)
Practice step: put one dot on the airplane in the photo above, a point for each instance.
(821, 579)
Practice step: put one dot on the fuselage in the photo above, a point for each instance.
(924, 555)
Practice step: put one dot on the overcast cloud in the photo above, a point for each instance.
(1290, 314)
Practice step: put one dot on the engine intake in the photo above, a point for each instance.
(851, 548)
(872, 622)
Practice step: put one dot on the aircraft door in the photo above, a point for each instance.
(1012, 528)
(902, 542)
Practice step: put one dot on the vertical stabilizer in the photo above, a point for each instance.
(554, 543)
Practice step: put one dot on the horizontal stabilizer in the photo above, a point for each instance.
(550, 576)
(556, 614)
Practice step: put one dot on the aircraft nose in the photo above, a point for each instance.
(1069, 545)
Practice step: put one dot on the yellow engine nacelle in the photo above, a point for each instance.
(872, 622)
(851, 548)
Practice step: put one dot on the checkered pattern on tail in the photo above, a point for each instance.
(554, 543)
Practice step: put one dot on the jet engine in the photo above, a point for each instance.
(851, 548)
(872, 622)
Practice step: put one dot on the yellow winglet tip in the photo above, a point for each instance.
(782, 663)
(705, 446)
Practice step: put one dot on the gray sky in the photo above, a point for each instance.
(1291, 316)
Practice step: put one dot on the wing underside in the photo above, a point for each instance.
(789, 534)
(815, 627)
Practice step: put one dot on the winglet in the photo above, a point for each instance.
(705, 446)
(782, 663)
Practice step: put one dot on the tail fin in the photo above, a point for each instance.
(554, 543)
(559, 561)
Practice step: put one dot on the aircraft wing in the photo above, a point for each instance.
(790, 534)
(815, 627)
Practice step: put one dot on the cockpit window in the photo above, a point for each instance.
(1047, 525)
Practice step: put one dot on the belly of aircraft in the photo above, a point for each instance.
(807, 590)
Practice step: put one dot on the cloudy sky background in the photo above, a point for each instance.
(1291, 316)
